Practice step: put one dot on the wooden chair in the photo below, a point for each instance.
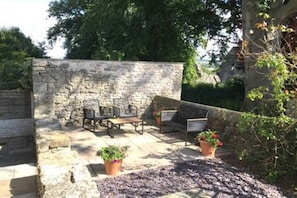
(122, 108)
(95, 113)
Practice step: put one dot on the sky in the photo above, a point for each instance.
(31, 17)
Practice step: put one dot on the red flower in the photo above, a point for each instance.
(210, 137)
(214, 135)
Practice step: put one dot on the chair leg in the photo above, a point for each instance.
(186, 139)
(94, 125)
(84, 119)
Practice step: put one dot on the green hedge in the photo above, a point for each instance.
(229, 95)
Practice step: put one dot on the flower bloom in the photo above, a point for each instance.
(115, 161)
(214, 135)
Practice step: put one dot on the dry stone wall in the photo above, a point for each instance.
(60, 171)
(60, 86)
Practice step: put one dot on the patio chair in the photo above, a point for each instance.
(95, 113)
(123, 109)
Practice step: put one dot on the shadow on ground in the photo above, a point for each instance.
(16, 152)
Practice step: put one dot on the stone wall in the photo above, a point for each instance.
(60, 86)
(60, 172)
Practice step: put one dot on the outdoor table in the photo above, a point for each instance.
(112, 122)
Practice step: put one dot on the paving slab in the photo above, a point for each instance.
(150, 150)
(197, 193)
(18, 180)
(18, 170)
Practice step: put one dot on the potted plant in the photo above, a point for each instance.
(209, 141)
(112, 157)
(157, 116)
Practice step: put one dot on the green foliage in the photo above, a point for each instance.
(16, 74)
(211, 137)
(113, 153)
(271, 100)
(273, 176)
(229, 95)
(15, 67)
(264, 5)
(190, 72)
(269, 143)
(155, 30)
(269, 137)
(157, 114)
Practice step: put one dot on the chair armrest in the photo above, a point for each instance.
(196, 119)
(168, 115)
(196, 124)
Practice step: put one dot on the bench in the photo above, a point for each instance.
(187, 118)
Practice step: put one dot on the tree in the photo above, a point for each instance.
(267, 140)
(154, 30)
(15, 48)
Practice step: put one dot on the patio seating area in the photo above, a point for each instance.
(147, 152)
(150, 150)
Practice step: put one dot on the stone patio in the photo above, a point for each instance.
(150, 150)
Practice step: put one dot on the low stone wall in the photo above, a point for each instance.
(60, 172)
(222, 120)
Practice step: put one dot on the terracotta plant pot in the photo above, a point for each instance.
(112, 168)
(158, 120)
(207, 149)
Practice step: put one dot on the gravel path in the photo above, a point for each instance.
(212, 176)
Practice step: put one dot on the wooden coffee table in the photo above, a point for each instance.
(113, 122)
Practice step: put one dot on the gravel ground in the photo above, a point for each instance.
(212, 176)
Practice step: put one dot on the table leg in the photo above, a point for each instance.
(135, 126)
(109, 127)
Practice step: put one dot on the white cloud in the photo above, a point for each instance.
(32, 18)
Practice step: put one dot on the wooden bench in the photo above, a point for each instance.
(187, 118)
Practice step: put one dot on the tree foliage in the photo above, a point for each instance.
(15, 48)
(150, 30)
(269, 134)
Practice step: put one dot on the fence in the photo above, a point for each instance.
(15, 113)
